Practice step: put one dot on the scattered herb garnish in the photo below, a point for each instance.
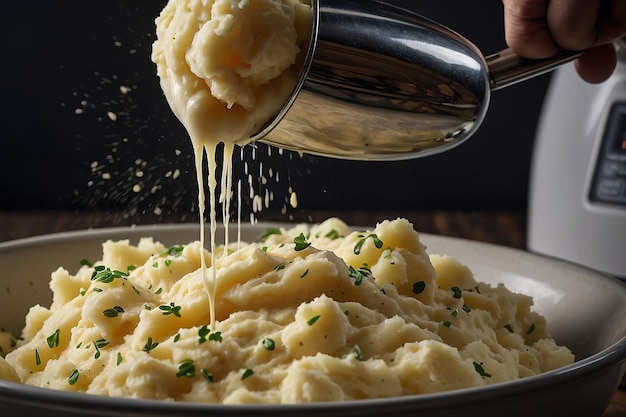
(359, 274)
(279, 267)
(85, 262)
(359, 245)
(268, 344)
(113, 312)
(100, 343)
(203, 332)
(73, 377)
(215, 337)
(37, 358)
(305, 273)
(531, 329)
(509, 328)
(247, 373)
(447, 323)
(356, 351)
(171, 309)
(206, 374)
(466, 308)
(53, 339)
(301, 242)
(456, 292)
(332, 234)
(119, 358)
(176, 337)
(186, 369)
(150, 345)
(106, 275)
(481, 371)
(313, 319)
(174, 251)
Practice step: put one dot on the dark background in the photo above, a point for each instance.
(66, 63)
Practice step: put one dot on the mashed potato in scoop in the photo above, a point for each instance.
(311, 313)
(228, 66)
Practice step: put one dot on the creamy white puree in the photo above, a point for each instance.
(350, 315)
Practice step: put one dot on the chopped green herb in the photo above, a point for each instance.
(106, 275)
(531, 329)
(447, 323)
(356, 351)
(167, 262)
(509, 328)
(158, 291)
(203, 332)
(186, 369)
(82, 292)
(171, 309)
(85, 262)
(466, 308)
(481, 371)
(131, 268)
(53, 339)
(264, 248)
(269, 232)
(419, 287)
(215, 337)
(301, 242)
(279, 267)
(174, 251)
(268, 344)
(37, 358)
(333, 234)
(206, 374)
(247, 373)
(99, 344)
(73, 377)
(96, 289)
(313, 319)
(119, 358)
(176, 337)
(455, 312)
(477, 288)
(305, 273)
(359, 274)
(359, 245)
(150, 345)
(113, 312)
(155, 264)
(456, 292)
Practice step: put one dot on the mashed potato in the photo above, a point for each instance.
(312, 313)
(228, 66)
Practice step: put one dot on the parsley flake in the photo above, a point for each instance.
(113, 312)
(481, 371)
(313, 319)
(268, 344)
(53, 339)
(171, 309)
(301, 243)
(186, 369)
(456, 292)
(359, 245)
(73, 378)
(247, 373)
(150, 345)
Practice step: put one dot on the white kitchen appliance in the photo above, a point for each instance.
(577, 194)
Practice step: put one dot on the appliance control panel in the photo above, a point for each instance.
(608, 185)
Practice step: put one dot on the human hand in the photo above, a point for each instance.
(539, 28)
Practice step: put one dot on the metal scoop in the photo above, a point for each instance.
(382, 83)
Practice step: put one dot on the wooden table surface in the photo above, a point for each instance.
(502, 228)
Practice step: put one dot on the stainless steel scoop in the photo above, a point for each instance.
(382, 83)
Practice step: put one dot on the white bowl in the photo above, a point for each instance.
(585, 311)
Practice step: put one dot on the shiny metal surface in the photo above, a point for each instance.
(382, 83)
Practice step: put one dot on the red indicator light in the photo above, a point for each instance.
(624, 145)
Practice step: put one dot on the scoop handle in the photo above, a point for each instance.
(507, 68)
